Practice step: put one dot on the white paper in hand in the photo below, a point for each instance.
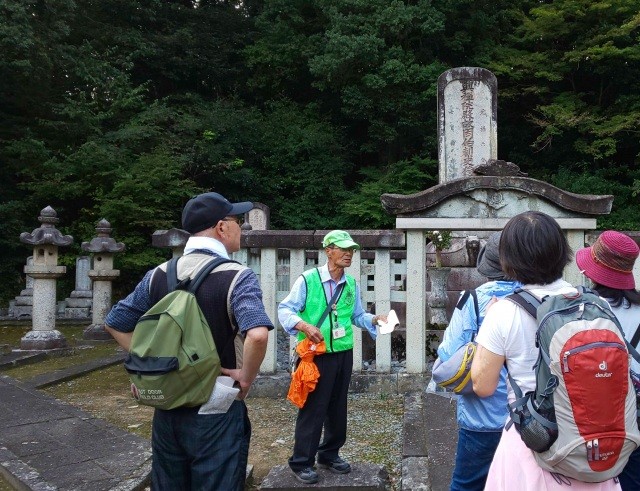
(390, 325)
(222, 396)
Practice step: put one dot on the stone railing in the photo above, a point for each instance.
(279, 257)
(391, 275)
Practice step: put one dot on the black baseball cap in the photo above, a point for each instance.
(207, 209)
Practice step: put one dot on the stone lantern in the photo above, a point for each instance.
(44, 270)
(174, 239)
(103, 248)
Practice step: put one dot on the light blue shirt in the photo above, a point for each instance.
(294, 303)
(475, 413)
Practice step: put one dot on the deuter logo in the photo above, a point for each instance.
(604, 373)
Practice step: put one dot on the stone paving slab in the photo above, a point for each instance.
(69, 373)
(47, 444)
(363, 477)
(17, 358)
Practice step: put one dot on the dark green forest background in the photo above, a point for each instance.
(123, 109)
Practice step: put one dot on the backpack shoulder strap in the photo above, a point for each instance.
(476, 307)
(204, 272)
(463, 300)
(525, 300)
(172, 274)
(636, 337)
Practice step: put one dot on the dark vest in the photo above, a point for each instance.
(212, 298)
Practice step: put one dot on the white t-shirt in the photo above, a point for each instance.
(508, 330)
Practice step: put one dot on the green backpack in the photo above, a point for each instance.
(172, 359)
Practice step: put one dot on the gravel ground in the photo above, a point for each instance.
(374, 433)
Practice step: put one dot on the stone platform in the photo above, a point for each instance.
(363, 477)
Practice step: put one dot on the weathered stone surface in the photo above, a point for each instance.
(102, 242)
(310, 239)
(43, 339)
(295, 239)
(47, 233)
(47, 445)
(442, 438)
(363, 477)
(415, 204)
(467, 121)
(173, 238)
(414, 438)
(495, 167)
(416, 476)
(259, 218)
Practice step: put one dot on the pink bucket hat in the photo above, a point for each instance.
(609, 261)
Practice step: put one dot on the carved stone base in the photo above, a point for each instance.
(43, 340)
(96, 332)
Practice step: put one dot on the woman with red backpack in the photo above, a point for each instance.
(608, 263)
(533, 251)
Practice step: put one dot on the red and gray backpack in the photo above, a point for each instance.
(581, 418)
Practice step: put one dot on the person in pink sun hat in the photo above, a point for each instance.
(608, 263)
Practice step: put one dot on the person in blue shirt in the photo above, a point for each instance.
(192, 450)
(480, 421)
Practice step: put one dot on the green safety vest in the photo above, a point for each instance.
(316, 303)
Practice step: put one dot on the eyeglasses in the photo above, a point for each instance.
(349, 249)
(238, 219)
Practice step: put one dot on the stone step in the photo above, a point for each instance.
(363, 477)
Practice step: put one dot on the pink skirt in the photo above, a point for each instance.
(514, 467)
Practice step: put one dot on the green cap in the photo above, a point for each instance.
(339, 238)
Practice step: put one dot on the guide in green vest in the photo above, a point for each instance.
(323, 305)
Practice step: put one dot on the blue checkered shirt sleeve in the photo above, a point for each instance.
(246, 302)
(125, 314)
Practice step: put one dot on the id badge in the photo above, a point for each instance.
(339, 332)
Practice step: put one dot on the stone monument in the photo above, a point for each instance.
(22, 305)
(258, 218)
(45, 270)
(103, 247)
(476, 194)
(78, 305)
(467, 121)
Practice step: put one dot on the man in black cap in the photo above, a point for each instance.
(192, 450)
(480, 421)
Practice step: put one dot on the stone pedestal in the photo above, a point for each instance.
(44, 271)
(437, 298)
(103, 247)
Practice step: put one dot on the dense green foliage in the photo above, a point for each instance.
(123, 109)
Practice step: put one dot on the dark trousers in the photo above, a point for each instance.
(630, 477)
(326, 407)
(200, 452)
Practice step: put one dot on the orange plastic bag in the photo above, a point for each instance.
(305, 378)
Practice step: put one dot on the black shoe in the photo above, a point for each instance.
(337, 466)
(307, 475)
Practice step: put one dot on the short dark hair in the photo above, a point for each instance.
(616, 297)
(533, 249)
